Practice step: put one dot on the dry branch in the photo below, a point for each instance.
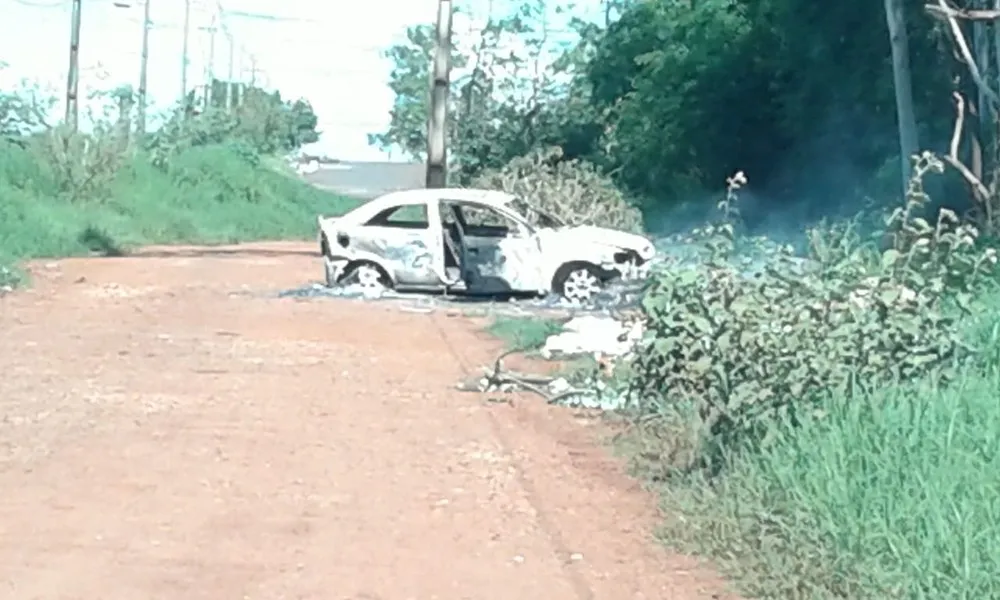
(945, 12)
(981, 191)
(500, 377)
(942, 10)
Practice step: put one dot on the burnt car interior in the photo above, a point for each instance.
(453, 235)
(406, 216)
(459, 220)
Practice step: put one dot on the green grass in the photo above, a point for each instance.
(210, 195)
(525, 333)
(892, 496)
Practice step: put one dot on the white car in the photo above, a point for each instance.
(476, 242)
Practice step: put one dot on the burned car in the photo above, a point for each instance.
(480, 242)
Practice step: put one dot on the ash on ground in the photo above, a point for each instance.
(616, 296)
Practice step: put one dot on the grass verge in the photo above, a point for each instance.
(896, 495)
(525, 333)
(209, 195)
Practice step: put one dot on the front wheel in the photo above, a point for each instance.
(578, 282)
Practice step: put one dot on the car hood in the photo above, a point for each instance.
(603, 236)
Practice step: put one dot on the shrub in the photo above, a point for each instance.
(572, 190)
(751, 347)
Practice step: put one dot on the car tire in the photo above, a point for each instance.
(369, 275)
(578, 282)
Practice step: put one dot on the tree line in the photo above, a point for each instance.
(821, 104)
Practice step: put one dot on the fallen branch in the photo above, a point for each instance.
(499, 377)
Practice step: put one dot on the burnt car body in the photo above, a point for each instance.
(474, 241)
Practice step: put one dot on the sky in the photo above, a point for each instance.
(326, 52)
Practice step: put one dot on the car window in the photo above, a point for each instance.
(483, 216)
(407, 216)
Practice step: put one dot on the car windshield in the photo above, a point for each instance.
(535, 215)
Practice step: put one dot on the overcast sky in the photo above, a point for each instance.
(327, 52)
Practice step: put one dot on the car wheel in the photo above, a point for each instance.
(578, 282)
(366, 275)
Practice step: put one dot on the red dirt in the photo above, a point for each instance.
(164, 436)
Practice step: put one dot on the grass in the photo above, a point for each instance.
(210, 195)
(892, 495)
(525, 333)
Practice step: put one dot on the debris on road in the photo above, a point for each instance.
(608, 340)
(592, 334)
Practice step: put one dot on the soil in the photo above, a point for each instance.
(164, 434)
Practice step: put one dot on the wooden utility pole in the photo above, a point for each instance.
(73, 79)
(184, 57)
(140, 124)
(437, 122)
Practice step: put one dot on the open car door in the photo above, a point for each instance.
(499, 253)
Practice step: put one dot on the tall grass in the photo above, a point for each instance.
(895, 495)
(210, 194)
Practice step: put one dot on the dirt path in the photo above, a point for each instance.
(164, 437)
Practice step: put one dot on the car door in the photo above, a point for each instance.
(500, 253)
(402, 236)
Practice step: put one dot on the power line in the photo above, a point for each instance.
(60, 4)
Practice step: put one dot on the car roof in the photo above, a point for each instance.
(416, 196)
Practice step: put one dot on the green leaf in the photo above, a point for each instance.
(890, 257)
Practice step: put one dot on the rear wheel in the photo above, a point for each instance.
(578, 282)
(367, 275)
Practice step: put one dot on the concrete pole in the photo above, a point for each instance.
(437, 122)
(73, 79)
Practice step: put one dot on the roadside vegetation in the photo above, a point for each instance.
(201, 178)
(817, 397)
(523, 333)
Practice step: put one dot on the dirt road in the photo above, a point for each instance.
(164, 436)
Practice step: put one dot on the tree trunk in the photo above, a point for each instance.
(908, 144)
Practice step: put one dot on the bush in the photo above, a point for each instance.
(827, 428)
(751, 347)
(572, 190)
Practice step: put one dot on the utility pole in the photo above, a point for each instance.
(210, 86)
(73, 79)
(140, 124)
(184, 57)
(230, 76)
(437, 122)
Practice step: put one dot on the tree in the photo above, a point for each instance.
(907, 120)
(502, 105)
(410, 82)
(262, 122)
